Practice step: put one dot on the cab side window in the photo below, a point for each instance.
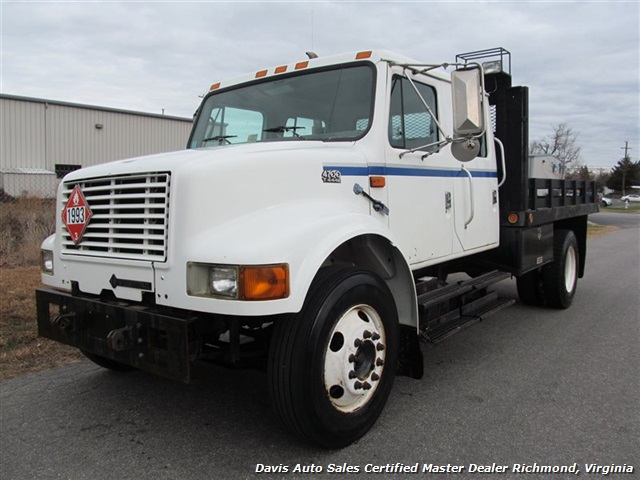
(410, 124)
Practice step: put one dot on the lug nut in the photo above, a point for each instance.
(357, 385)
(375, 336)
(375, 377)
(352, 358)
(366, 334)
(357, 342)
(380, 347)
(379, 362)
(352, 374)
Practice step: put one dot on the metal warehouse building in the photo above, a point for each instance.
(42, 140)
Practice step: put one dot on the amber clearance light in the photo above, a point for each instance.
(266, 282)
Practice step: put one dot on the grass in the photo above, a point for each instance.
(21, 350)
(24, 223)
(594, 230)
(633, 208)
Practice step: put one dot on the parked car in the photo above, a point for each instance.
(634, 197)
(606, 202)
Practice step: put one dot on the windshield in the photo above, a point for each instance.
(335, 104)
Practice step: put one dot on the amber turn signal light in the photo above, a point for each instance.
(377, 182)
(265, 282)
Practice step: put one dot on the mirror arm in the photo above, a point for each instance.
(444, 134)
(439, 144)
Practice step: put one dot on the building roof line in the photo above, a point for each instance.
(92, 107)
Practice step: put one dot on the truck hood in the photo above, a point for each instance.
(202, 158)
(236, 184)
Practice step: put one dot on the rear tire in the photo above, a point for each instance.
(108, 363)
(331, 366)
(561, 276)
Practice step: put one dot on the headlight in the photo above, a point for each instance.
(47, 262)
(255, 282)
(223, 281)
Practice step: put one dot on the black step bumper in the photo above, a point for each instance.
(131, 334)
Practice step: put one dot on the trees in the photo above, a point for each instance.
(580, 173)
(561, 143)
(624, 174)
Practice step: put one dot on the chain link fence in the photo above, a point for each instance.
(27, 214)
(28, 183)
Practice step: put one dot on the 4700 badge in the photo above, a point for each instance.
(76, 214)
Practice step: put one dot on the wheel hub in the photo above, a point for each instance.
(354, 359)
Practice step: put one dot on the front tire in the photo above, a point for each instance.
(561, 276)
(332, 366)
(107, 362)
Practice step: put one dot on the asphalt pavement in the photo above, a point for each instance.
(527, 387)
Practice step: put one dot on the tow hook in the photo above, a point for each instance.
(63, 321)
(118, 340)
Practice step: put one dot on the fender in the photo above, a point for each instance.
(314, 231)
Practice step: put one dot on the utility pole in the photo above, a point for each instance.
(624, 166)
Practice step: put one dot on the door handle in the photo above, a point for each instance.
(470, 196)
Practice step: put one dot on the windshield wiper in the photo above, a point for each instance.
(220, 138)
(282, 129)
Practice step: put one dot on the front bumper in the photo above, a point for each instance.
(131, 334)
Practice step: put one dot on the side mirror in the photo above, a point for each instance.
(466, 91)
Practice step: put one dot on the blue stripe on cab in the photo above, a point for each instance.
(407, 172)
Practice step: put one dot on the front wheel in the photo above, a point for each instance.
(561, 276)
(107, 362)
(332, 366)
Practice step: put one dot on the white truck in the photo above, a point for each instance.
(310, 227)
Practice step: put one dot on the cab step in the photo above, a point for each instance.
(448, 310)
(444, 331)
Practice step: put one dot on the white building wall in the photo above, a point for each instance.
(40, 134)
(22, 134)
(545, 166)
(90, 137)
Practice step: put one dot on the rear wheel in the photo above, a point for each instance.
(107, 362)
(332, 366)
(561, 276)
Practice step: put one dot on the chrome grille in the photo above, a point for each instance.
(130, 216)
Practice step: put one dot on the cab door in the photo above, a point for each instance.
(420, 190)
(476, 203)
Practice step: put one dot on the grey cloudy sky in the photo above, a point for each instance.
(579, 59)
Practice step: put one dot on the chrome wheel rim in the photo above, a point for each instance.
(354, 358)
(570, 269)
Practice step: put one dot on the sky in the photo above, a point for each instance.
(580, 60)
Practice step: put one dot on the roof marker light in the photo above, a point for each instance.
(215, 86)
(261, 73)
(281, 69)
(363, 55)
(300, 65)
